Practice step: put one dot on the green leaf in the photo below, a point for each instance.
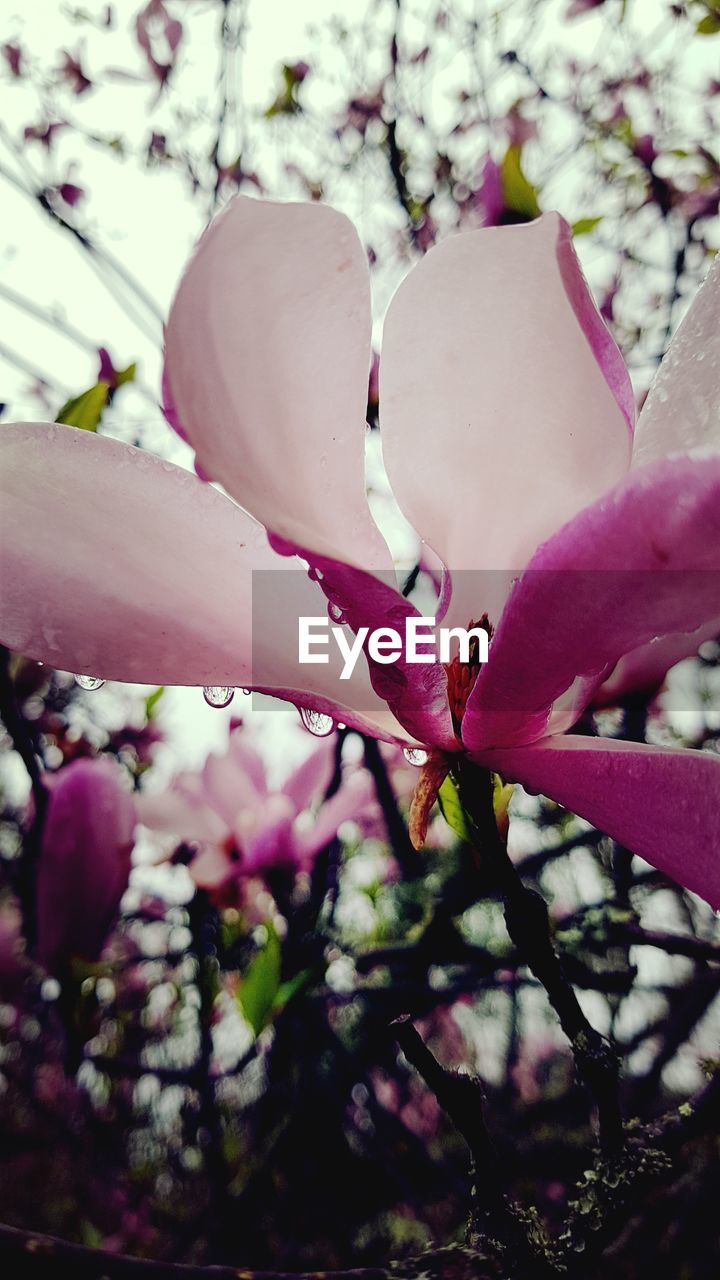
(519, 194)
(86, 410)
(502, 795)
(288, 990)
(152, 700)
(584, 226)
(452, 810)
(260, 984)
(286, 103)
(708, 26)
(125, 375)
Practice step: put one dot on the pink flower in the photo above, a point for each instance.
(84, 862)
(159, 36)
(71, 193)
(44, 133)
(507, 424)
(246, 829)
(71, 71)
(13, 55)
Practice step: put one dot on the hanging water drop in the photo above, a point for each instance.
(316, 722)
(218, 695)
(335, 612)
(415, 756)
(245, 693)
(315, 575)
(89, 682)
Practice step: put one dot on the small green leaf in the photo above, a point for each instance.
(519, 194)
(86, 410)
(584, 226)
(125, 375)
(502, 795)
(288, 990)
(708, 26)
(259, 986)
(452, 810)
(152, 700)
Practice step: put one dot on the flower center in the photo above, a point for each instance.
(461, 676)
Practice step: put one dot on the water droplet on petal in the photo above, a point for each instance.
(218, 695)
(89, 682)
(416, 756)
(335, 612)
(245, 692)
(316, 722)
(315, 575)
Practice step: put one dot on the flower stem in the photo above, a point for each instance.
(528, 924)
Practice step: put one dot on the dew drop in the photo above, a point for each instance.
(416, 756)
(335, 612)
(316, 722)
(218, 695)
(89, 682)
(315, 575)
(245, 692)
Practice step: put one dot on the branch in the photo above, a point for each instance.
(528, 925)
(500, 1223)
(396, 829)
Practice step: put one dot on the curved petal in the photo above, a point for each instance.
(267, 360)
(247, 758)
(120, 565)
(504, 402)
(229, 789)
(641, 563)
(660, 803)
(416, 693)
(682, 409)
(644, 670)
(355, 798)
(180, 810)
(311, 778)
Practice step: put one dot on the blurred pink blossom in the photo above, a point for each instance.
(244, 827)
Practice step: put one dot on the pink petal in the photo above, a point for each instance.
(309, 781)
(211, 868)
(497, 370)
(644, 669)
(416, 693)
(267, 360)
(120, 565)
(682, 409)
(229, 789)
(643, 562)
(249, 760)
(268, 842)
(180, 811)
(356, 797)
(660, 803)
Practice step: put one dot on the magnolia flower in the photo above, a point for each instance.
(84, 863)
(507, 422)
(246, 829)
